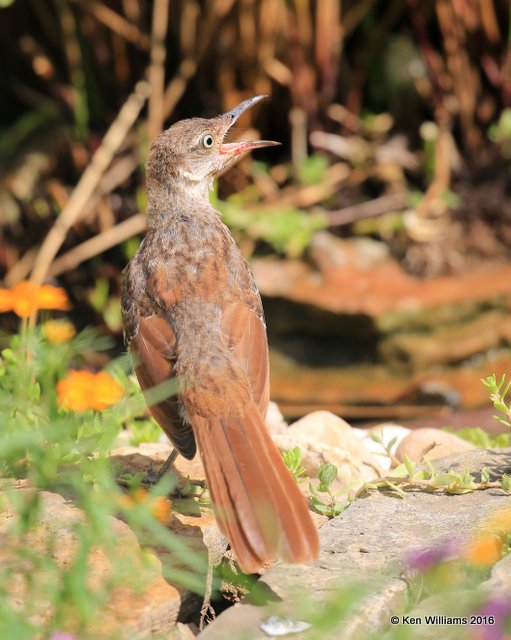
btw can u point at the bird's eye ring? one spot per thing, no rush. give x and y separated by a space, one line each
207 141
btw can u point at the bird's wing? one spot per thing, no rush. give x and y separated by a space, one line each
245 333
153 347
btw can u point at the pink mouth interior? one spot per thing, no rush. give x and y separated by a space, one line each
234 148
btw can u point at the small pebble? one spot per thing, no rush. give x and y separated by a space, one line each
277 626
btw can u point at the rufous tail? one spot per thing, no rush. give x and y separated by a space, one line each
258 504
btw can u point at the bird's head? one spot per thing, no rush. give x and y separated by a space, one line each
191 153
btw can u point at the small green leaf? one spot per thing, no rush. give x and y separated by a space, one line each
500 406
326 473
410 466
391 443
338 508
319 506
395 488
444 479
400 472
466 479
431 469
501 382
292 459
486 382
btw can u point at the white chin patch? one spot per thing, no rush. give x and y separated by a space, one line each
192 177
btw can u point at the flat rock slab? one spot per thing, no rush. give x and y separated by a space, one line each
374 391
197 526
496 588
150 610
131 612
360 278
367 543
353 333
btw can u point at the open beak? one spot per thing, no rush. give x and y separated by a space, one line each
235 148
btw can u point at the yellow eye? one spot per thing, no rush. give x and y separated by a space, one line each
208 141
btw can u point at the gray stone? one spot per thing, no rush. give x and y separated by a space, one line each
130 613
499 582
460 603
367 544
431 444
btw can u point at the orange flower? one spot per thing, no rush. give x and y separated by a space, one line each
83 390
484 551
137 497
27 297
140 495
106 391
161 507
58 331
74 392
486 547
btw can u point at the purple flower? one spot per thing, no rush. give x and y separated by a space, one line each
425 558
499 609
60 635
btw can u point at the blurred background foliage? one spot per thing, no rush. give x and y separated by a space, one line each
394 117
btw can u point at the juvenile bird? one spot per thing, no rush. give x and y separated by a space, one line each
192 313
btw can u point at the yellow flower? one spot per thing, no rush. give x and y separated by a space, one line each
27 297
82 390
58 331
498 522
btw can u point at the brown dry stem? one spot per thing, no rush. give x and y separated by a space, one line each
89 181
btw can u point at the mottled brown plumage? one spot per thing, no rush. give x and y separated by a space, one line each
193 318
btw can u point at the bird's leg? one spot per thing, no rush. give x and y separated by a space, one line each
153 478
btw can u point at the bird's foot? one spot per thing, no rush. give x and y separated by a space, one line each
153 477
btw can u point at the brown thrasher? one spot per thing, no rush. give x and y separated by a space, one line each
192 311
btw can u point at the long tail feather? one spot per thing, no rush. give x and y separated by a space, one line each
259 506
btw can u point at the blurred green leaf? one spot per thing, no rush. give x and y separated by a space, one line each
326 474
130 247
313 169
483 439
98 296
288 231
144 430
500 131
